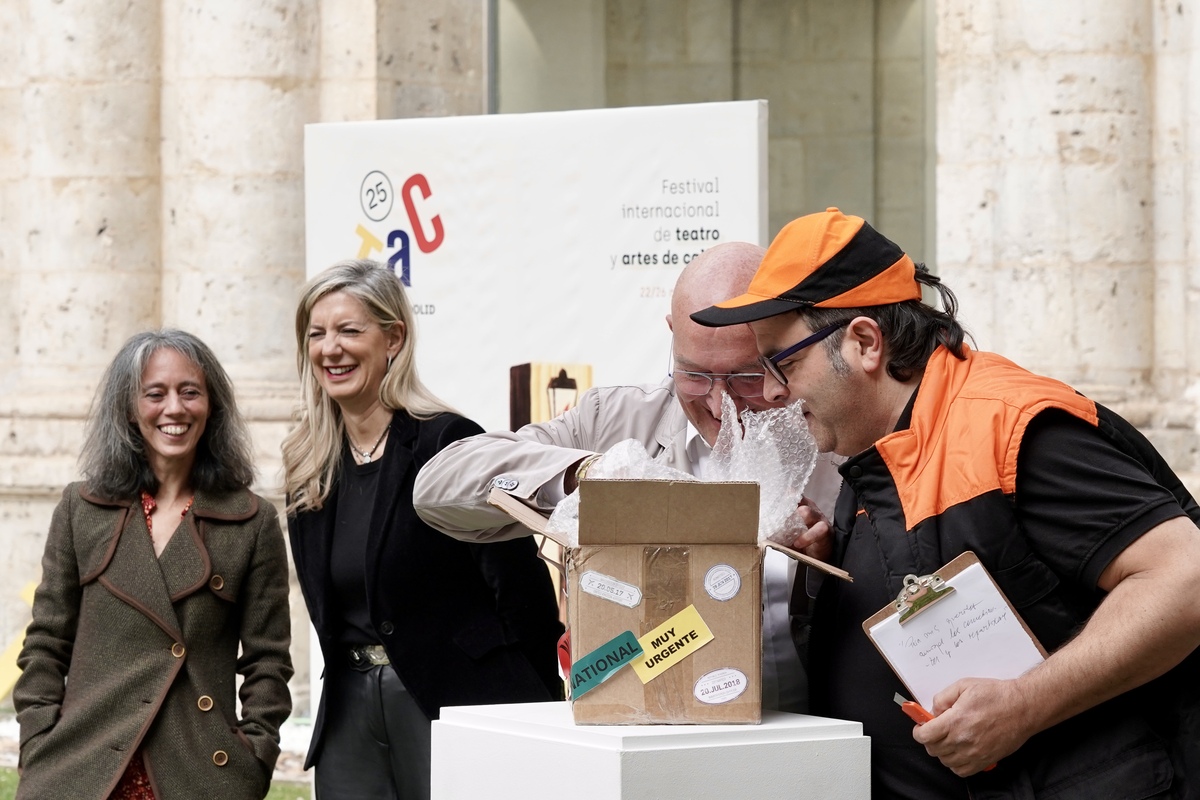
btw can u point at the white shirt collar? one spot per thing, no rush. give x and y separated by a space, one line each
699 452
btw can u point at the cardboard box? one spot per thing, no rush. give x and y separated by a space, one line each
668 563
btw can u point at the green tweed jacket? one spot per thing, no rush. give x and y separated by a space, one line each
129 651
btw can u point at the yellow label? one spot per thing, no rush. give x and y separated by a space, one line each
670 643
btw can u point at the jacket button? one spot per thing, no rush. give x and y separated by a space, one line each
387 629
854 472
178 650
205 703
220 758
216 583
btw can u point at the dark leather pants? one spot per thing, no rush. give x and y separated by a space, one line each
376 740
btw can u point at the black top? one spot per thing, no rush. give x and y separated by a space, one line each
348 558
463 623
1080 501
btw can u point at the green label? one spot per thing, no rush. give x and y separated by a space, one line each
602 663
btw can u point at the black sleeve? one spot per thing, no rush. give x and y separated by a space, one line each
520 582
1081 499
438 433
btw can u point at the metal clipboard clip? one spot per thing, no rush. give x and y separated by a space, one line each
919 593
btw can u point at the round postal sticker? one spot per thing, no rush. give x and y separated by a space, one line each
720 685
722 582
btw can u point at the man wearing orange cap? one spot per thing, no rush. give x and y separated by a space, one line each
1079 520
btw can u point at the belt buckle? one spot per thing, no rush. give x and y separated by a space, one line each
376 655
369 655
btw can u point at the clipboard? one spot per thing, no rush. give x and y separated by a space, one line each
955 623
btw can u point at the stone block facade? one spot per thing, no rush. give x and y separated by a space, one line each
1037 154
151 174
1064 178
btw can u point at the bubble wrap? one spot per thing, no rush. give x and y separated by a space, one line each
773 448
624 460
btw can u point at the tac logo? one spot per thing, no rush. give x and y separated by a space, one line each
423 229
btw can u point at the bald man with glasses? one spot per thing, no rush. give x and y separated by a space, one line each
677 421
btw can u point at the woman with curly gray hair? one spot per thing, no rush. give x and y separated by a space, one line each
159 567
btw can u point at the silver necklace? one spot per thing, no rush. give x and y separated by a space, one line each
366 454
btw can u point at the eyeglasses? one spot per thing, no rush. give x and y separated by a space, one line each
739 384
771 363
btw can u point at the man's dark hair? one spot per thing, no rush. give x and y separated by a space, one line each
911 330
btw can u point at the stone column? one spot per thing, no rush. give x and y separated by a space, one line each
432 58
1176 210
14 171
1044 183
1176 420
79 245
240 80
81 185
239 83
348 87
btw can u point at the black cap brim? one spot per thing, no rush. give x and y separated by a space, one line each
717 317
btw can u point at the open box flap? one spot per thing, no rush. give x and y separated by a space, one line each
649 516
526 515
828 569
667 512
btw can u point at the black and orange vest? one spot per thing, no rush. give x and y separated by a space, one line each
946 484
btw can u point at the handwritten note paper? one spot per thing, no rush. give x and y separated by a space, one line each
970 633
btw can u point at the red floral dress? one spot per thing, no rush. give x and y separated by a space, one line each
135 783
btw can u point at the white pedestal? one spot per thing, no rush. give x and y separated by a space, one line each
535 750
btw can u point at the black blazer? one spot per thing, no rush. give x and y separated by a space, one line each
463 624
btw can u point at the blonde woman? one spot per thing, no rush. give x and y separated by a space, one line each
409 620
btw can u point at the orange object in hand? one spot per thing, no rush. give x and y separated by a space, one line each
914 710
917 713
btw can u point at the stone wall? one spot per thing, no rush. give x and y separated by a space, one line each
1065 179
151 173
550 55
846 85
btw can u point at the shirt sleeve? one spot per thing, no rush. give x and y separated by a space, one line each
452 487
1081 499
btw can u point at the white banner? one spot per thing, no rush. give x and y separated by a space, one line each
552 237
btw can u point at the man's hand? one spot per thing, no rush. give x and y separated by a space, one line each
976 723
570 482
576 471
810 532
1148 624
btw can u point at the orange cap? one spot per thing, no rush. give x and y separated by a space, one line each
827 260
